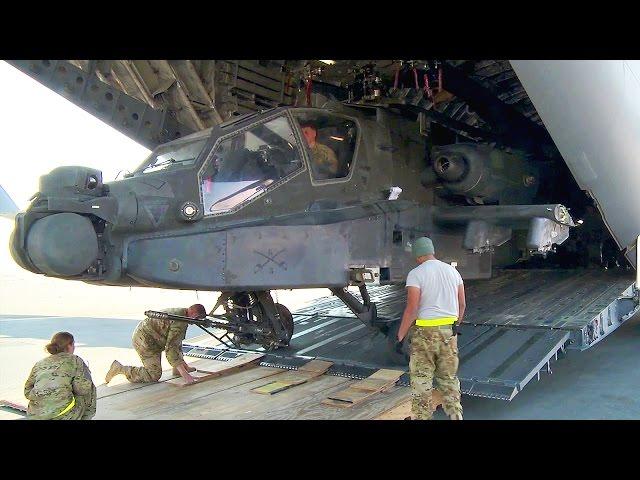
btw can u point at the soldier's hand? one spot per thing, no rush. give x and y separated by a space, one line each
189 379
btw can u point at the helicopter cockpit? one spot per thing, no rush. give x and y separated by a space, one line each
249 161
178 153
327 137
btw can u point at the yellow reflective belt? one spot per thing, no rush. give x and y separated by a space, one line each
436 322
69 407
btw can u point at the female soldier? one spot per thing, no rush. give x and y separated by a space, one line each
60 386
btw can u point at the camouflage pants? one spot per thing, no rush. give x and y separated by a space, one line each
434 354
151 371
88 404
84 409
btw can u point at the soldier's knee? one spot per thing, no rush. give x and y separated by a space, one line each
155 375
447 380
422 384
423 391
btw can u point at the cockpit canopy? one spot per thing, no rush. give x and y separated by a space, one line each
247 163
258 157
179 153
330 140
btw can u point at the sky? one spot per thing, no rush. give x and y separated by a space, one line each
40 130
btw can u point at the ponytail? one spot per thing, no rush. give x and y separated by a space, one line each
59 342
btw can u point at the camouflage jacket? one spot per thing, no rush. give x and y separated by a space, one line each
152 336
325 161
53 384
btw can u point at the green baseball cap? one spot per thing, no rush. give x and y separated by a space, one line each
422 246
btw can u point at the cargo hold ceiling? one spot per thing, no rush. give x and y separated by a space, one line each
154 101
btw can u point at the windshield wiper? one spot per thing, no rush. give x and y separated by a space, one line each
167 162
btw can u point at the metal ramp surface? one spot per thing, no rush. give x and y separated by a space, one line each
515 325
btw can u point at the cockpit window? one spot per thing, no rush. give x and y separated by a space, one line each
178 153
330 141
245 165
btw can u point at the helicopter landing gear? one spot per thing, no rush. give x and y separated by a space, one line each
254 318
367 313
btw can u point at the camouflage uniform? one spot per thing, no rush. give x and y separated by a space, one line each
324 160
434 353
53 385
150 338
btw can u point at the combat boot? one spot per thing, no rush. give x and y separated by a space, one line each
455 416
115 369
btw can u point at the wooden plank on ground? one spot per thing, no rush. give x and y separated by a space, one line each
286 380
403 409
363 389
163 400
209 369
304 402
227 398
238 404
121 385
15 408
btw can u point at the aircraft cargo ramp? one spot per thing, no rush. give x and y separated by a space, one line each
516 325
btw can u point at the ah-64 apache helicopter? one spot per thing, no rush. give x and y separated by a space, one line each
296 197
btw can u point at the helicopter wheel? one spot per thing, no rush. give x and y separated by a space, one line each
287 321
257 314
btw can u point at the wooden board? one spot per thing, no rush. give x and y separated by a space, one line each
14 408
402 410
228 398
237 403
160 399
285 380
209 369
121 385
363 389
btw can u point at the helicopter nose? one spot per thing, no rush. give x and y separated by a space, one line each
63 244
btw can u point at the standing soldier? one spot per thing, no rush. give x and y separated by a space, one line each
150 338
60 386
435 305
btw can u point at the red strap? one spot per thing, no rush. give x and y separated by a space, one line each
309 86
427 88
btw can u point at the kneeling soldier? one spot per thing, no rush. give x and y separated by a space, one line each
153 336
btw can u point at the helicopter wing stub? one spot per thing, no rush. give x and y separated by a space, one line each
592 111
489 226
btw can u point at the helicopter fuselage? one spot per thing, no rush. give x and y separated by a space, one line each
245 206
